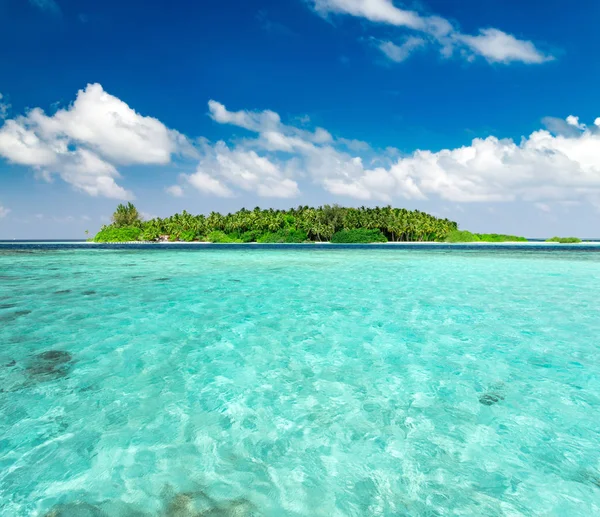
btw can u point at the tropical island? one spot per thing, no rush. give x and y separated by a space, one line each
328 223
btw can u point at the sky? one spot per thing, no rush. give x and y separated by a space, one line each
486 112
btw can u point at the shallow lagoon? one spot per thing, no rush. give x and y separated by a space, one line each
299 382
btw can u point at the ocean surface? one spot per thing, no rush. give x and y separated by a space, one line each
301 382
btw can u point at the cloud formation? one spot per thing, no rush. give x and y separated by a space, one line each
46 5
400 53
85 142
3 211
545 166
174 190
498 47
492 44
221 170
4 107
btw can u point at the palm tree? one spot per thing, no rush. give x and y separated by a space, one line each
321 223
126 215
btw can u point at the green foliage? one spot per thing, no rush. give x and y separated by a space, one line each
294 225
124 234
497 237
358 236
289 236
565 240
126 215
249 236
187 236
150 233
220 237
464 236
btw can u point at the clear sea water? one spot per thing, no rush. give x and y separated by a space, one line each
293 382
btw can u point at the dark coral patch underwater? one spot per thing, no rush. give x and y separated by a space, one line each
50 365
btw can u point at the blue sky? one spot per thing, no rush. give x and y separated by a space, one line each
486 112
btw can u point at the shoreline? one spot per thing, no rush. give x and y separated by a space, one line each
532 244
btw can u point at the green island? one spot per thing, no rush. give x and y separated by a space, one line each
565 240
328 223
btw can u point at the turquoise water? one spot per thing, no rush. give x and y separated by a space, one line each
299 383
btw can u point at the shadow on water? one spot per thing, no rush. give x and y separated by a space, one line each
49 366
52 365
11 316
493 395
184 504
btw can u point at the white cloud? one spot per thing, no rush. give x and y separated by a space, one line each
253 121
3 211
174 190
498 47
86 141
574 121
110 127
206 184
373 10
4 108
546 166
541 167
399 53
494 45
222 169
263 122
559 165
23 146
89 173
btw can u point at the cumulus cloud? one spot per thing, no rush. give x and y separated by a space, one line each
222 169
546 166
206 184
3 211
174 190
84 142
541 167
494 45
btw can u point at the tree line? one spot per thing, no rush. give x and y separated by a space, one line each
325 223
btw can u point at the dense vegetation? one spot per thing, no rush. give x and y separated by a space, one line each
565 240
464 236
302 224
126 215
112 234
358 235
